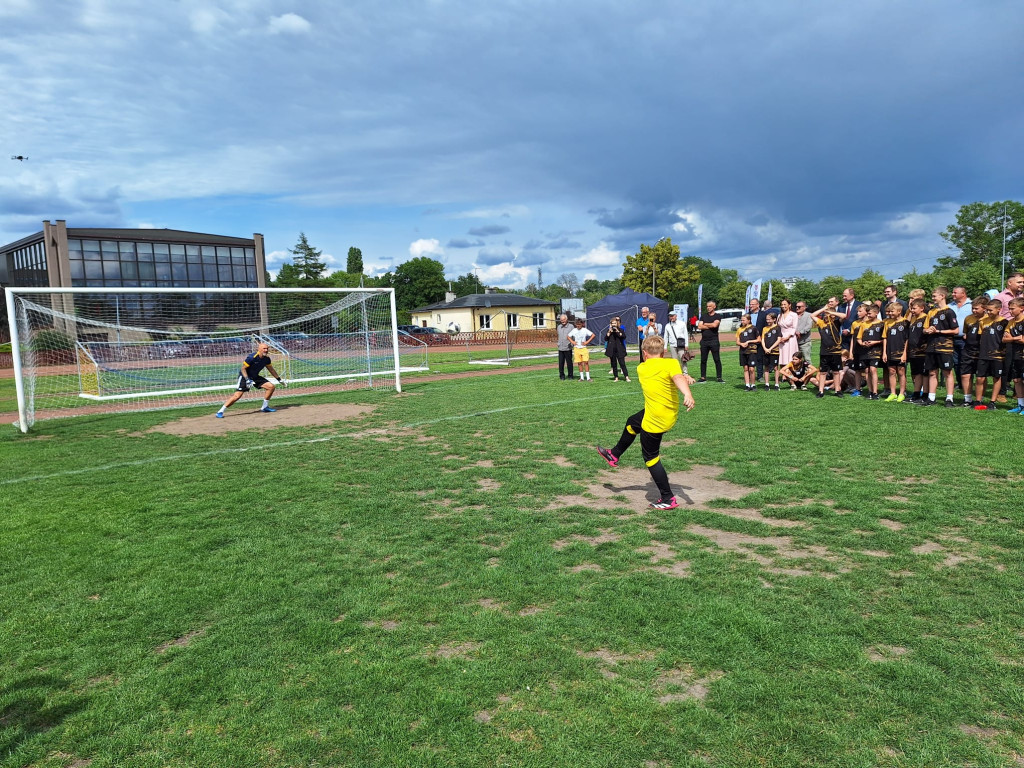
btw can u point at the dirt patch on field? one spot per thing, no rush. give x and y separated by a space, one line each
243 418
388 626
608 659
605 537
664 560
684 684
879 653
180 642
585 567
785 548
457 651
892 525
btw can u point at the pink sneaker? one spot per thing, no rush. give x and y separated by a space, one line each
665 504
611 458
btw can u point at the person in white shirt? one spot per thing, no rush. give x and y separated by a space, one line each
677 338
580 338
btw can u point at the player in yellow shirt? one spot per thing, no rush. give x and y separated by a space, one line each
662 380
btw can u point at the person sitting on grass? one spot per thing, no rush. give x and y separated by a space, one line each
771 338
580 337
748 341
249 377
662 381
798 372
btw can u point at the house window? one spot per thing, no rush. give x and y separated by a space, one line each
538 319
485 322
513 320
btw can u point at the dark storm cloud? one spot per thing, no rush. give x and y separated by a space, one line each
562 243
532 258
637 217
461 242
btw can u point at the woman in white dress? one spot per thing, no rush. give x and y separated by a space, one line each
789 345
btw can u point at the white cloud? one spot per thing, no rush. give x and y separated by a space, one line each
206 21
423 247
601 256
289 24
505 275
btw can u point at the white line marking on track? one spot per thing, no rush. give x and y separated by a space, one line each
290 443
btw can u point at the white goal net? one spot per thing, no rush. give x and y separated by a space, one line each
89 350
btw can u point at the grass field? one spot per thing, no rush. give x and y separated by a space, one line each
455 578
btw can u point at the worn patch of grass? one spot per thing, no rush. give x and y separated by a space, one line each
398 598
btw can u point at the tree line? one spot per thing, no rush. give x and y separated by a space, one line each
976 242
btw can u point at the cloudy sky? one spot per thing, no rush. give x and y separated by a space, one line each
777 138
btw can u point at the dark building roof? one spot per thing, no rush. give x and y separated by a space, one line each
155 235
483 300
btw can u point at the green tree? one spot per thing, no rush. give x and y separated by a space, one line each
977 236
339 279
354 265
570 282
870 286
779 291
307 260
709 276
913 279
732 294
808 292
660 265
418 282
975 278
830 286
467 284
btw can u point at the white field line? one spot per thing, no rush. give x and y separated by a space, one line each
290 443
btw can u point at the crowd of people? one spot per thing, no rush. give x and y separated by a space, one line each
891 349
888 349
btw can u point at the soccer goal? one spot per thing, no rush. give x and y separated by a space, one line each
513 337
89 350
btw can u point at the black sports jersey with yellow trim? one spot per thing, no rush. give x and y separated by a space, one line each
792 367
896 332
253 364
942 320
747 334
769 336
829 329
872 330
916 342
972 337
1014 349
991 346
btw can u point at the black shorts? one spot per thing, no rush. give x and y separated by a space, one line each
968 365
1017 368
872 362
917 367
830 363
257 383
895 364
938 361
989 368
748 359
858 364
770 361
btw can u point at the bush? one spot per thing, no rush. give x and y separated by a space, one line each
51 339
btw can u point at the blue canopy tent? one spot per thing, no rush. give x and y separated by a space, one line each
625 305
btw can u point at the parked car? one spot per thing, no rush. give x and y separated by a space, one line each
730 320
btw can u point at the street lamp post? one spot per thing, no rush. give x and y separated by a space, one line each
1002 278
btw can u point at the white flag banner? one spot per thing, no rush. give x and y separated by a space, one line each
700 296
769 291
755 290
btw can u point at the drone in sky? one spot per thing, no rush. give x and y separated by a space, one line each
18 157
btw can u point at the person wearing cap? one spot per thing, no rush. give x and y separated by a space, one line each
677 338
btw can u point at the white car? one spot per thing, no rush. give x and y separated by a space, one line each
730 320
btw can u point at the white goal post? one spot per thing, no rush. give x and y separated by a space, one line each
99 349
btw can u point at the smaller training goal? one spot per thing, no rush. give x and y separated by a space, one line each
88 350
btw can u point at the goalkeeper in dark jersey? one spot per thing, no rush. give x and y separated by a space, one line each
249 378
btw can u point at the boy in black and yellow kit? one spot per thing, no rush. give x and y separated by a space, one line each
940 329
830 351
872 334
917 345
894 353
662 380
991 353
972 343
1014 339
748 342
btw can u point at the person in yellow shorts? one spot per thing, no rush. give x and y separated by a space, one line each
662 380
580 336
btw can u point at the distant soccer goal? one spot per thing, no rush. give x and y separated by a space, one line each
513 337
83 350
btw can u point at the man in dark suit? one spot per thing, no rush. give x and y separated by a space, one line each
758 318
849 311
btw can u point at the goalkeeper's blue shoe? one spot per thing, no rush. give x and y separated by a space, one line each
220 415
268 410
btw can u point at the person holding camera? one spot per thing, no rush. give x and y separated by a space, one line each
615 348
